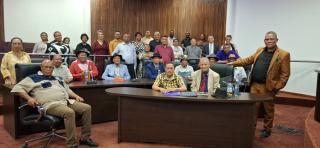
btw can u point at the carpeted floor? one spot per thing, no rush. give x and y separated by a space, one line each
106 133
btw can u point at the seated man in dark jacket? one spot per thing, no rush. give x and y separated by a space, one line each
154 68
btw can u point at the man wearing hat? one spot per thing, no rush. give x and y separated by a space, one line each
184 70
213 59
116 70
83 65
238 72
154 68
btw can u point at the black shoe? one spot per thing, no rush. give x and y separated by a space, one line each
74 146
265 134
88 142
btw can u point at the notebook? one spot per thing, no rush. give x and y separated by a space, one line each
185 94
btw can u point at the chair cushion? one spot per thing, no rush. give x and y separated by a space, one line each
46 120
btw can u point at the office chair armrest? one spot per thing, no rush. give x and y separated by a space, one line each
39 108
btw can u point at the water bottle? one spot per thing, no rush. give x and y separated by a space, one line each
86 75
159 72
229 90
236 88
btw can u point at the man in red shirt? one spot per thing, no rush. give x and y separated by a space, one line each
165 51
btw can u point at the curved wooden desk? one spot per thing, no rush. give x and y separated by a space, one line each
204 121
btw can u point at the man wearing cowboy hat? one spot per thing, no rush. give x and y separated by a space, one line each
213 59
154 68
116 70
79 67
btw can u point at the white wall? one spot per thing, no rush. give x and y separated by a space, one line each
28 18
297 24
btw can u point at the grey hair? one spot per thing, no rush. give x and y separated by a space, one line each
272 32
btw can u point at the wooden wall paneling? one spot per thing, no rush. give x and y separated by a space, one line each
194 16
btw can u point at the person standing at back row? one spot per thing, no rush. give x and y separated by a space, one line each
114 43
156 41
41 46
84 43
165 50
270 73
147 37
193 53
128 53
99 48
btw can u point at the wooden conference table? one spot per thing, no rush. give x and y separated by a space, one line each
203 121
104 107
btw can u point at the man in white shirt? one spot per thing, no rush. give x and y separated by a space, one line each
128 52
184 70
59 69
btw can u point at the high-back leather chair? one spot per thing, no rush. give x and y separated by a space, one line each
33 118
225 71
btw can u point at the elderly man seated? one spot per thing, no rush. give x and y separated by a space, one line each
59 69
54 96
169 81
154 68
116 70
205 80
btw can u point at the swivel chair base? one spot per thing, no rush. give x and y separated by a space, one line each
50 135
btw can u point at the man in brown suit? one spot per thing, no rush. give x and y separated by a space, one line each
270 73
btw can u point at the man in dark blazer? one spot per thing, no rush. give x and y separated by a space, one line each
211 47
155 68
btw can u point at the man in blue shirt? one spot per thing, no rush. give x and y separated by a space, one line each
224 54
128 52
154 68
116 70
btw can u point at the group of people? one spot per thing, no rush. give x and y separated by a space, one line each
138 52
270 72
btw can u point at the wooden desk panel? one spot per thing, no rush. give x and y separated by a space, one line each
201 121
